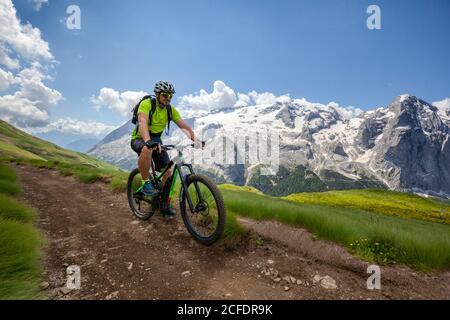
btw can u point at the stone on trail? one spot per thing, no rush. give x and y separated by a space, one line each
112 296
326 282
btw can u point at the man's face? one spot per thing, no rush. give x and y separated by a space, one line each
164 98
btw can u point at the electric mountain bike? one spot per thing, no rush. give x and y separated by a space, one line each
201 203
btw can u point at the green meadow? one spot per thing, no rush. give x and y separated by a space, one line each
20 243
370 234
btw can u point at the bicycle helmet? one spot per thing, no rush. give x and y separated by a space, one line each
164 86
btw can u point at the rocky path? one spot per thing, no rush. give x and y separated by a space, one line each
121 257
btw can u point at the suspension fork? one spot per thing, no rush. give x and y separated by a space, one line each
183 179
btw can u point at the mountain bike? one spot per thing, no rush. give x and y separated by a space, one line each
201 203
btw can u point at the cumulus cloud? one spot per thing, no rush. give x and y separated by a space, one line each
262 98
6 60
25 58
122 103
6 79
30 104
22 38
347 112
21 111
37 4
243 100
443 104
221 97
72 126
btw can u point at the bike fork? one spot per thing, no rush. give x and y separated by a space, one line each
184 186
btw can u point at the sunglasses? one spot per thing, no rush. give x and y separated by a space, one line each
167 95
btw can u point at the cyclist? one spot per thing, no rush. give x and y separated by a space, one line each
146 141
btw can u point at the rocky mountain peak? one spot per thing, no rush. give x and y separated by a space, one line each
416 114
404 145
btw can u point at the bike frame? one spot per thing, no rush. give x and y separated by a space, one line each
178 163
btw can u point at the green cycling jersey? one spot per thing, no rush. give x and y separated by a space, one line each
159 118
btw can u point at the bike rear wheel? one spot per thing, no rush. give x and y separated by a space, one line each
206 225
142 208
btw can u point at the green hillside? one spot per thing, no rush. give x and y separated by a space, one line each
370 232
380 201
20 243
21 147
301 179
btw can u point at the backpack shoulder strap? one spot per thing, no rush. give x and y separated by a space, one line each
169 112
169 118
135 112
152 110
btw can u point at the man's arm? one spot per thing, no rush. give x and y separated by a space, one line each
186 129
143 127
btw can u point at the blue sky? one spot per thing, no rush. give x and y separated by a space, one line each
319 50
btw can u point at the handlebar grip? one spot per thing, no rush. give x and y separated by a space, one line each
193 144
152 145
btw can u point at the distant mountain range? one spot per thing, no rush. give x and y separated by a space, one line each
404 146
75 142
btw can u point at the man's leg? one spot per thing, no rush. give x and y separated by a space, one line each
144 162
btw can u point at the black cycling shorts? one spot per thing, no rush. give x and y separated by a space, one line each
161 160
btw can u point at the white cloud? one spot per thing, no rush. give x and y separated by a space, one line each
122 103
23 49
348 112
6 79
21 111
22 38
33 89
72 126
222 96
443 108
38 4
443 104
6 60
262 98
30 105
243 100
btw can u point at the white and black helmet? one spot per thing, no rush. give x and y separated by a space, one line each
164 86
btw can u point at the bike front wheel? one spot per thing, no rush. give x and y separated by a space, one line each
207 221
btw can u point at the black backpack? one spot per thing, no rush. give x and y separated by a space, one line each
134 119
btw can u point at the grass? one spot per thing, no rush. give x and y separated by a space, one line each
7 174
119 182
380 201
8 180
19 244
84 172
420 244
232 228
227 186
9 187
11 209
19 260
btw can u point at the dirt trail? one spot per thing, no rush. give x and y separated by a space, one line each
90 226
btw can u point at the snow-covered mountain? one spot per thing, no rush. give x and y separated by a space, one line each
403 146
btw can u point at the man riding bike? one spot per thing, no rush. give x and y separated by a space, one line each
146 141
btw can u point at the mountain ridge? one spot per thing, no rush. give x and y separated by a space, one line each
403 146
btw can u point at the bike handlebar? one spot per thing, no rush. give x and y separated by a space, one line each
168 147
